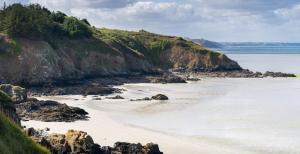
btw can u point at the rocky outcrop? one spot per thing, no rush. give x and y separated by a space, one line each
166 78
160 97
78 142
156 97
236 74
132 148
278 74
17 94
49 111
115 97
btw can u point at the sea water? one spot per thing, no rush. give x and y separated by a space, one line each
254 115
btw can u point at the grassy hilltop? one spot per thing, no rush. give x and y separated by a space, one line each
38 46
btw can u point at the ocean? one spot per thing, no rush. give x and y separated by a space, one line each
259 48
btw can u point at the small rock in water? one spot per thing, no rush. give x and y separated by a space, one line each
97 99
160 97
115 97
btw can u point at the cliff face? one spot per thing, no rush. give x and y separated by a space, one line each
108 52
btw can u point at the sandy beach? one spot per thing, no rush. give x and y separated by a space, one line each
211 116
106 131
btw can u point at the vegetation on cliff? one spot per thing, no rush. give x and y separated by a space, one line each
12 139
35 21
44 46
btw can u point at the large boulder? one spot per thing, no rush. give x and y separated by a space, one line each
160 97
80 142
17 94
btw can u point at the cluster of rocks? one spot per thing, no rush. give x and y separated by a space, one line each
34 109
49 111
79 142
278 74
73 90
245 73
116 97
156 97
166 78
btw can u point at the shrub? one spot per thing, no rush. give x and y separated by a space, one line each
76 28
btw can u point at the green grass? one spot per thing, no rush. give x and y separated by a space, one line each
14 141
5 101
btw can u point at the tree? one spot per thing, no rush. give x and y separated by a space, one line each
58 17
76 28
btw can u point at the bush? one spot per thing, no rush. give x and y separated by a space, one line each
58 17
76 28
34 21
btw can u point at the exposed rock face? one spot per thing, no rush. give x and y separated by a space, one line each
49 111
78 142
160 97
39 63
17 94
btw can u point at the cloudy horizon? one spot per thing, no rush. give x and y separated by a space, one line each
217 20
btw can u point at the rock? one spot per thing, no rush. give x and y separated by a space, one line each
167 78
49 111
115 97
132 148
79 142
160 97
189 78
151 148
143 99
17 94
97 99
278 74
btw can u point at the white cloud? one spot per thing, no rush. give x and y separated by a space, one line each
221 20
292 13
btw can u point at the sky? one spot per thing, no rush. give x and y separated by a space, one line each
217 20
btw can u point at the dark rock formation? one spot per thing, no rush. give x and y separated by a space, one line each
78 142
238 74
79 89
278 74
166 78
49 111
143 99
115 97
160 97
131 148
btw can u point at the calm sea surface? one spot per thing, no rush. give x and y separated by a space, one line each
253 115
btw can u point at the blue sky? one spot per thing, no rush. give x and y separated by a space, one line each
218 20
